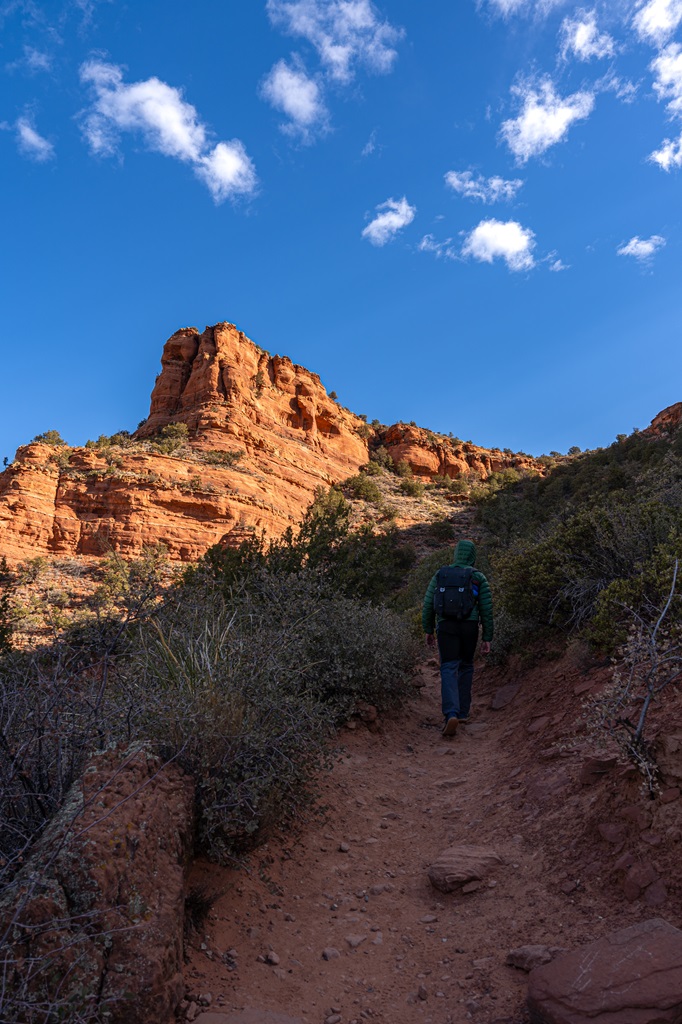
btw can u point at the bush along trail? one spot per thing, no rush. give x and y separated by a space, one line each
440 871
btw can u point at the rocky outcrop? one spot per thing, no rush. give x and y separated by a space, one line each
291 438
632 976
95 918
429 454
667 420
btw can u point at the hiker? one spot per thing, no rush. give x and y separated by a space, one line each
457 598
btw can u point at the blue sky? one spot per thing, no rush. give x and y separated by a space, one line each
464 214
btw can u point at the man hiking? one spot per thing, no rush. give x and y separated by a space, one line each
457 598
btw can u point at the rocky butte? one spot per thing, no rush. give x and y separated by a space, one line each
263 434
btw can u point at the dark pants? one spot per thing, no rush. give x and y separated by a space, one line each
457 646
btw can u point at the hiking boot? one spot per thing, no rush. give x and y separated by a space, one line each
450 727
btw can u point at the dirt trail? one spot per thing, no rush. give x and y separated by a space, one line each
395 800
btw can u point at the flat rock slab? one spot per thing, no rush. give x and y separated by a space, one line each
246 1017
461 864
632 976
504 696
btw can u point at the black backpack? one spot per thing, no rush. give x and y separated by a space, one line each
456 592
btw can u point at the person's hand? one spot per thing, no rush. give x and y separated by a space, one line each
485 647
431 640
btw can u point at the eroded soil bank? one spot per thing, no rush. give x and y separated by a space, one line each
340 920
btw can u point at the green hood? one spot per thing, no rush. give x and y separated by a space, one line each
465 553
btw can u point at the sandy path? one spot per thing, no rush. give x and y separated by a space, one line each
394 801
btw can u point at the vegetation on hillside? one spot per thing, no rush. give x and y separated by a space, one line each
591 545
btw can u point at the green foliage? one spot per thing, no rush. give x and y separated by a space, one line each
361 486
223 458
382 457
259 383
364 564
413 488
402 468
333 395
364 431
170 438
52 437
371 469
7 589
574 450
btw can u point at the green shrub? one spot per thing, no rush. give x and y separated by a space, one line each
170 438
221 458
410 486
382 457
52 437
371 469
7 589
402 468
361 486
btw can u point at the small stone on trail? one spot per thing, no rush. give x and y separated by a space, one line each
668 795
527 958
344 847
428 919
272 959
355 940
330 953
422 992
280 973
460 865
333 1018
206 999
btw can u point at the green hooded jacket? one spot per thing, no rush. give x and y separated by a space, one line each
465 554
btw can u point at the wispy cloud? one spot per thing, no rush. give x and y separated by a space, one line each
487 190
656 20
439 249
371 145
581 38
391 217
33 61
526 8
289 89
168 125
642 249
545 118
345 33
669 155
31 143
667 70
506 240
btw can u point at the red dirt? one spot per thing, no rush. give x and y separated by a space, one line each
394 801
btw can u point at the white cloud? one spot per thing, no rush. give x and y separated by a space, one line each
656 20
33 61
488 190
371 144
227 171
392 216
642 249
667 68
507 240
289 89
556 266
669 155
439 249
168 125
581 37
506 8
344 33
544 119
624 89
31 143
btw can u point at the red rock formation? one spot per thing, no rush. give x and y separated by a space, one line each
233 397
667 420
429 454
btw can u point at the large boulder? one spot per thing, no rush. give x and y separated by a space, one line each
94 920
631 976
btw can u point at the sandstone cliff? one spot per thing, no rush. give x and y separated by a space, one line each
262 435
